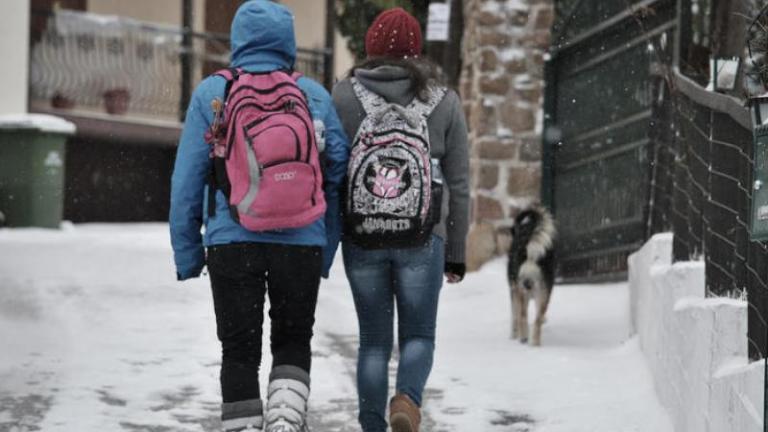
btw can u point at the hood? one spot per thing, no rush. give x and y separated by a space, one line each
262 37
393 83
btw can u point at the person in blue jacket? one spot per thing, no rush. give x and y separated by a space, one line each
245 265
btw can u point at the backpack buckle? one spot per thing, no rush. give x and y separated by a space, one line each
290 106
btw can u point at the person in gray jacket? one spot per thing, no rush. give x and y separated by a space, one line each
393 261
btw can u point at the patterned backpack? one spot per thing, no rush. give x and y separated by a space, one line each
394 189
265 156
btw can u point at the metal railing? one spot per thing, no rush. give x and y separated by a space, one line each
701 171
118 66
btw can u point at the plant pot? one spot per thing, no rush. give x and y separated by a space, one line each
59 101
116 101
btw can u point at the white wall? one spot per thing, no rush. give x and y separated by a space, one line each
310 32
696 347
310 22
14 51
166 12
344 60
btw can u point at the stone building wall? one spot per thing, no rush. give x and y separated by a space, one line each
502 86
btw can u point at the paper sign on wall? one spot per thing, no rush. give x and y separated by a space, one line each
438 24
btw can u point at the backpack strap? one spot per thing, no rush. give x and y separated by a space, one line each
372 102
295 75
212 187
436 94
231 75
228 73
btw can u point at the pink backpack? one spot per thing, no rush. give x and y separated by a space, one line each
265 156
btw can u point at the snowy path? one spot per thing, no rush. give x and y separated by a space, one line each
95 335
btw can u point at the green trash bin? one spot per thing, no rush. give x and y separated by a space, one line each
32 155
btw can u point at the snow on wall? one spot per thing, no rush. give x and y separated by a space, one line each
41 122
696 347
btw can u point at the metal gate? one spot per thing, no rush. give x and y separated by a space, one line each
597 122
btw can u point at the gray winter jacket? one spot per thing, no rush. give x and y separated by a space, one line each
448 141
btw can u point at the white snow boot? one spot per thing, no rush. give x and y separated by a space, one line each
288 393
243 416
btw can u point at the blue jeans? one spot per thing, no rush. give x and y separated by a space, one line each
381 279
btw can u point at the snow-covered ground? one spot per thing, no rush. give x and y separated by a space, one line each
96 335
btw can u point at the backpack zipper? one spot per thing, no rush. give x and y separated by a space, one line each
295 136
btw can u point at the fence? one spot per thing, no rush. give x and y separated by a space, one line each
701 176
120 66
596 162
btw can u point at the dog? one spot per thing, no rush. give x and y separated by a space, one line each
531 270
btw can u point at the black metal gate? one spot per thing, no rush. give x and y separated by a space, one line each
597 121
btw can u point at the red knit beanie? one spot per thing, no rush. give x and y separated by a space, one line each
394 33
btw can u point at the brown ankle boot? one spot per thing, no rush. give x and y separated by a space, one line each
404 414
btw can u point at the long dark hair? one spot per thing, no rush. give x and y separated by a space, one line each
424 73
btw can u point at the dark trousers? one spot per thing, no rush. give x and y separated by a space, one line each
241 274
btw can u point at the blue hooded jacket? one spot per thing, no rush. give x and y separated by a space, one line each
262 41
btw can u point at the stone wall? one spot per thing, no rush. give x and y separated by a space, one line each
502 87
